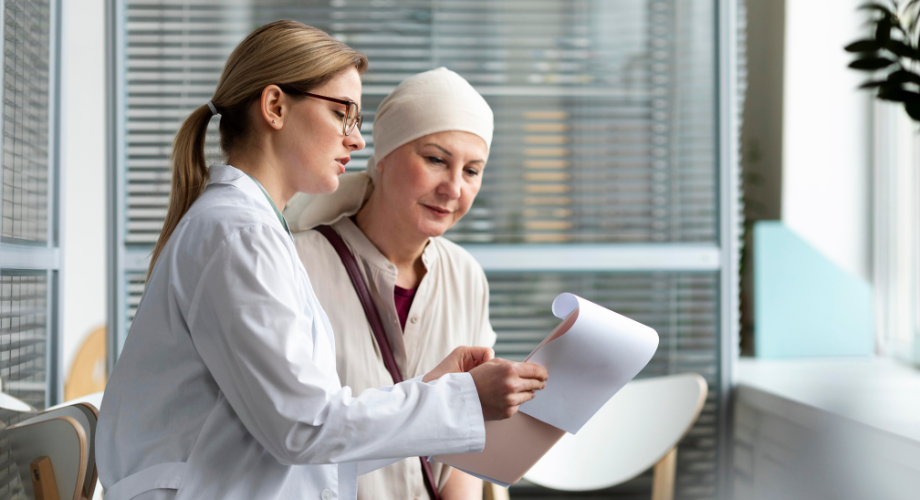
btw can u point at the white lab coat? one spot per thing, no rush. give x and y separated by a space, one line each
226 386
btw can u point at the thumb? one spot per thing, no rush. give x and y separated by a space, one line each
481 354
475 356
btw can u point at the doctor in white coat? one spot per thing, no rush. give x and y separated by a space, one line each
226 387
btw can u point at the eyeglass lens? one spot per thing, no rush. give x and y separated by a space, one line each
351 118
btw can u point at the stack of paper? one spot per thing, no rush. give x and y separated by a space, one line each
590 356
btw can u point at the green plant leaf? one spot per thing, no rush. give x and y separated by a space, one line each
913 110
883 30
903 76
911 12
863 46
871 84
871 63
901 49
898 95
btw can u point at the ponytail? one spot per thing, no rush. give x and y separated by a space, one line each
189 174
279 53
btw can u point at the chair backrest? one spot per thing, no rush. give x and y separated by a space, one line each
65 434
631 433
88 405
63 441
87 372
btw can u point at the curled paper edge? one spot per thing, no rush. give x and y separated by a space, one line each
565 303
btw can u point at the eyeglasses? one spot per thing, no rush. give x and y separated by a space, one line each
350 119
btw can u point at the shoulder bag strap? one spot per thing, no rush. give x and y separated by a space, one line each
373 317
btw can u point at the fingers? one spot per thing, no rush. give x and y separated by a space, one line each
523 397
530 385
518 398
532 371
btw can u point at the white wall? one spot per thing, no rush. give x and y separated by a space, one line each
826 133
83 171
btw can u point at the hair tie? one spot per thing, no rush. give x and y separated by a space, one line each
213 109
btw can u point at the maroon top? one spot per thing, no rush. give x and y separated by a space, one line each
403 298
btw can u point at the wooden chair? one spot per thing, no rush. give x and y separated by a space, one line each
494 492
639 428
87 373
55 453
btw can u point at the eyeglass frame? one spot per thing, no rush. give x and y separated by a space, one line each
359 118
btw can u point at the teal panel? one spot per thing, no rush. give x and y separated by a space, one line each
805 305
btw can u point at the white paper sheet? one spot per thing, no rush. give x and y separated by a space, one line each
590 356
587 364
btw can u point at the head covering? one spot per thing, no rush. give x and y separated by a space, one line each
434 101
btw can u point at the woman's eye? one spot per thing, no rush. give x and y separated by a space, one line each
340 114
435 160
472 172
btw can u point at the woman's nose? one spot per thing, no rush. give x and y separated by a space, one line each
355 141
450 187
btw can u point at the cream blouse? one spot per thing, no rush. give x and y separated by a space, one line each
450 309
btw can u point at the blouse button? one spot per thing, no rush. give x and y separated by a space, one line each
414 319
326 495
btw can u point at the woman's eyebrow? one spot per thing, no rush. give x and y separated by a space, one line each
448 153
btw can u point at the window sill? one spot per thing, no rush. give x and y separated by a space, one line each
847 429
878 392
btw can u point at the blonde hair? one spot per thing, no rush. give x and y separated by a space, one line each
280 53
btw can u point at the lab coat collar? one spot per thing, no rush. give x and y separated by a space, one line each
228 174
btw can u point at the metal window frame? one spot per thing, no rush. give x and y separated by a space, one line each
889 275
16 256
115 175
730 225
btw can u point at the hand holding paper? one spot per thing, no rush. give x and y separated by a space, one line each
590 356
461 359
504 385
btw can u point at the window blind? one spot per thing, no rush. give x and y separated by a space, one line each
29 262
25 121
595 141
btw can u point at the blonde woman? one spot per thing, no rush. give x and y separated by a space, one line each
227 386
431 144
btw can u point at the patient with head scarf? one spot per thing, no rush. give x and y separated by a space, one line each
432 136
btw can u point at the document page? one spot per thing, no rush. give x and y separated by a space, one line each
590 356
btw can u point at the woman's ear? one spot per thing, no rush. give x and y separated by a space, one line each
273 106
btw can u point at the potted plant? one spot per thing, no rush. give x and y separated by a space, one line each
892 55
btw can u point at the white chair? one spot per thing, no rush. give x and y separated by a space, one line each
639 428
65 436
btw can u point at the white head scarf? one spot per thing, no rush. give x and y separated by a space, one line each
434 101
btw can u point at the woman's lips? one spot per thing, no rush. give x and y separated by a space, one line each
437 211
342 162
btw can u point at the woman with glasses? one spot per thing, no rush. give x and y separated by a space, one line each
226 386
431 143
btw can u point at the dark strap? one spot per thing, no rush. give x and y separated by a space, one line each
373 317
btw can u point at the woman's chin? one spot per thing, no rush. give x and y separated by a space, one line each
432 229
322 186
